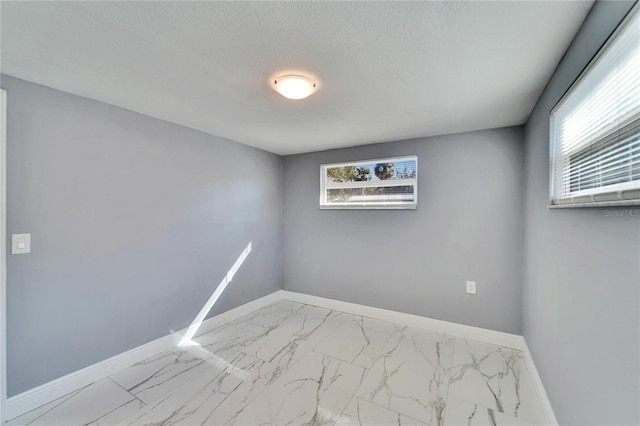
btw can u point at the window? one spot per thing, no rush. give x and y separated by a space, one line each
595 128
388 183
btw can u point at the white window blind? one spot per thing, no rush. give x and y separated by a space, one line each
388 183
595 128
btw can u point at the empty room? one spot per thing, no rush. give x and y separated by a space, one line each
320 213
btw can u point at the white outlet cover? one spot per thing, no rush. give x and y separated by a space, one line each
20 243
471 287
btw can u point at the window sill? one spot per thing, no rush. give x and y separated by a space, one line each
406 207
618 203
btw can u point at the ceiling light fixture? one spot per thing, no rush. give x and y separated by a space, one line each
294 86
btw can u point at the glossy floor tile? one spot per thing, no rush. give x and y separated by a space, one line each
99 403
358 340
150 379
286 340
411 377
314 391
291 364
459 412
362 412
494 377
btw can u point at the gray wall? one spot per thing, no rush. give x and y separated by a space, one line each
134 221
581 272
468 226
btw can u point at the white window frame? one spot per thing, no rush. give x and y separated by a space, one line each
3 256
617 194
404 205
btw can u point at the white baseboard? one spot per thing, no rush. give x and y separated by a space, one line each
537 382
235 313
36 397
33 398
466 331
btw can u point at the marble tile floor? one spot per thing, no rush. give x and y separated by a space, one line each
294 364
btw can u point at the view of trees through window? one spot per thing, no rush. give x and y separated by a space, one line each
405 169
355 183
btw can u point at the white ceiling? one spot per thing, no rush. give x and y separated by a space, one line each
387 70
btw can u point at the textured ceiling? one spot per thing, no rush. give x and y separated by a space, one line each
387 70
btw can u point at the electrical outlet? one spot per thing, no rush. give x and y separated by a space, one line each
471 287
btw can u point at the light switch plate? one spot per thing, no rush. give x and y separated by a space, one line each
20 243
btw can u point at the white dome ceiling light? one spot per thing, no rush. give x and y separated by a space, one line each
294 86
